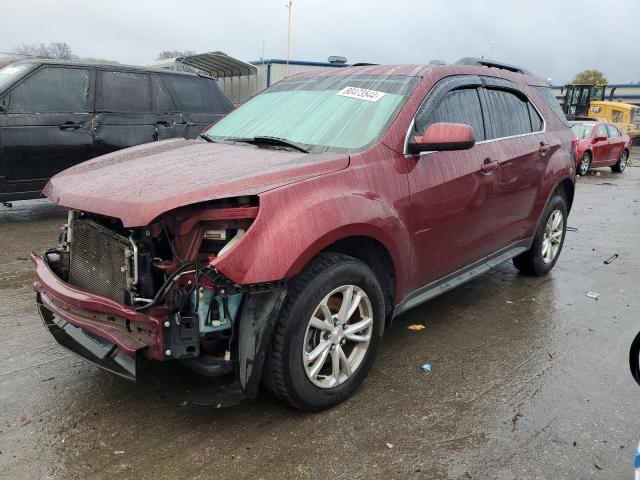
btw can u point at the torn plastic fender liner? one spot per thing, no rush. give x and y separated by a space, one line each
255 333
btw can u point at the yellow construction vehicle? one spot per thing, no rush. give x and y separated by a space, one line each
587 102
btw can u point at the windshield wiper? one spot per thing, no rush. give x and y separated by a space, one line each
271 141
207 138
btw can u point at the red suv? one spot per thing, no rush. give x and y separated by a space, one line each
274 249
600 144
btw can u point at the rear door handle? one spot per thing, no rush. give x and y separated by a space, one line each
488 166
544 148
70 126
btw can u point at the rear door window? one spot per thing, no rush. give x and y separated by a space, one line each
602 131
457 106
536 119
53 89
125 92
613 131
548 97
507 113
197 94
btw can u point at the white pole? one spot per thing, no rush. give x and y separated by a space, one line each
288 39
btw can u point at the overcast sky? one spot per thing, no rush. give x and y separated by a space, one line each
553 38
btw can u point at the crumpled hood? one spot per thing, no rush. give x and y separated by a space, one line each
138 184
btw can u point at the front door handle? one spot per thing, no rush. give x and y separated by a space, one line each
488 166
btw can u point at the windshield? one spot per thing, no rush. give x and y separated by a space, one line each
339 114
10 74
582 130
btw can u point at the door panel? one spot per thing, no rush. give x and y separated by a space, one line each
522 155
39 146
452 220
601 149
451 215
200 101
522 167
616 143
195 123
124 115
47 127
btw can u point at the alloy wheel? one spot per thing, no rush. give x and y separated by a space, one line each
552 236
338 336
623 160
584 165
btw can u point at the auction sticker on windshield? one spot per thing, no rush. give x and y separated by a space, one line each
361 93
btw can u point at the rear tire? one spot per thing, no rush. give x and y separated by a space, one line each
312 319
622 162
548 242
584 165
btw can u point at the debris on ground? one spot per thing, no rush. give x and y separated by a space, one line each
509 302
389 445
593 295
118 452
611 259
416 327
514 421
426 368
572 229
24 421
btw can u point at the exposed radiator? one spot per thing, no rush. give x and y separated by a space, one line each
101 261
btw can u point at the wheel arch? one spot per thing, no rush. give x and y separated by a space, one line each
368 245
376 256
566 188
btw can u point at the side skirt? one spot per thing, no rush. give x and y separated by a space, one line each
457 278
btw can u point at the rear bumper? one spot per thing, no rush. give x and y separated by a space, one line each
97 328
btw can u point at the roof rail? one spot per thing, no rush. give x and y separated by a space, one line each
482 62
437 62
362 64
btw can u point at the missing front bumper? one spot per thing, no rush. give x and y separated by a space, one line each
95 350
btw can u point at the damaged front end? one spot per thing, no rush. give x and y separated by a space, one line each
120 297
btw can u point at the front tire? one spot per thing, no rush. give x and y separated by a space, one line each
327 333
584 165
548 242
622 162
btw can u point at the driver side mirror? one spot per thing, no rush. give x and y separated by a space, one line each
440 137
4 104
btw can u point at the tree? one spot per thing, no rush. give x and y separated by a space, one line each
591 76
167 54
57 50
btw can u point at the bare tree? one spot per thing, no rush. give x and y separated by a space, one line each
166 54
56 50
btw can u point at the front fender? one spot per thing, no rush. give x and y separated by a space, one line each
297 222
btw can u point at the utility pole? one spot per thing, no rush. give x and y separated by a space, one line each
288 5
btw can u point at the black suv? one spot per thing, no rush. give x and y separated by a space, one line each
55 114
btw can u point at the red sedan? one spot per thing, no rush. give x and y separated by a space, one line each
600 145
